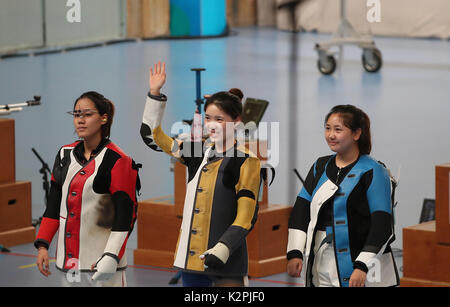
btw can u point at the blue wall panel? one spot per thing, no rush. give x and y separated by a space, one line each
213 17
197 17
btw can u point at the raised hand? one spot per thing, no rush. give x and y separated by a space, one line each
157 78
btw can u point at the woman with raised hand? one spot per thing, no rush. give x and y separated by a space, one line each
220 207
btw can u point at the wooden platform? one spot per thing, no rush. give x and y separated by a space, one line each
426 247
7 151
158 228
15 196
443 203
268 240
425 262
18 236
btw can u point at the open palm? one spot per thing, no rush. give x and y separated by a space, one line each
157 77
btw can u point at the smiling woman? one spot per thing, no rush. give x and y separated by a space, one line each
222 113
220 207
342 220
347 132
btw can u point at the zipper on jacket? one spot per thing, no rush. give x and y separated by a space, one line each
338 173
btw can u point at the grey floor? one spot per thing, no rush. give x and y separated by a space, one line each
18 269
407 101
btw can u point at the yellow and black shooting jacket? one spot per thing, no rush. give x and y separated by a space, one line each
221 197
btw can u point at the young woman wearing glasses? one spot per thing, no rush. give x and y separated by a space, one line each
92 201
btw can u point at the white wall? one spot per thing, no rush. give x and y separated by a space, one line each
22 23
99 20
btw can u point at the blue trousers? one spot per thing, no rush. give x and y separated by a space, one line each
195 280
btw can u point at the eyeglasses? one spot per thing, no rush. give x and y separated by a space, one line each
82 113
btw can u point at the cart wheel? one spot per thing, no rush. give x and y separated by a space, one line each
371 59
326 66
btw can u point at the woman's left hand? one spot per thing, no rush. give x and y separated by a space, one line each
358 278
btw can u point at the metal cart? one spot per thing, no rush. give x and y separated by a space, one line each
347 35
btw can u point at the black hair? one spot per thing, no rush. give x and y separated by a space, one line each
229 102
354 119
103 106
